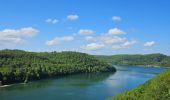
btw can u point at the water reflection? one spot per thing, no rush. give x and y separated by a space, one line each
84 80
78 80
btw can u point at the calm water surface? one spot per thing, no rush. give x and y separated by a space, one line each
81 87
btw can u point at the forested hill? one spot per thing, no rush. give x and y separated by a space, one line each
157 88
21 66
149 59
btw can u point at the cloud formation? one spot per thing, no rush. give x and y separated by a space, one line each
115 31
93 46
72 17
59 40
86 32
126 44
116 18
111 38
149 44
107 39
15 36
52 21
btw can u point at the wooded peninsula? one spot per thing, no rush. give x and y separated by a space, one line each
17 66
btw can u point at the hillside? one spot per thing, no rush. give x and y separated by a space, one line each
21 66
157 88
149 59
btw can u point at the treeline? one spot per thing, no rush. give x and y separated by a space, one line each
21 66
149 59
157 88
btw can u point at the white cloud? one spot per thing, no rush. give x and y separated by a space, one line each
126 44
14 36
86 32
72 17
111 39
149 44
115 31
93 46
116 18
58 40
52 21
106 39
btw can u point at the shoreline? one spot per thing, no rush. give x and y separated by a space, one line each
8 85
3 86
147 66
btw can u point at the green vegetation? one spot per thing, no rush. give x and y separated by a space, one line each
149 59
157 88
21 66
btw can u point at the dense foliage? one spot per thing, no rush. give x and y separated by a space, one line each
22 66
149 59
157 88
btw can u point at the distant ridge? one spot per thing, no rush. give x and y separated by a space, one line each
156 59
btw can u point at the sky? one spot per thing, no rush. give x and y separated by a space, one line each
101 27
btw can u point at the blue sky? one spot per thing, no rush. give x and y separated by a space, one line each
92 26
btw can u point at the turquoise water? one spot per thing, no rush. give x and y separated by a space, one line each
82 86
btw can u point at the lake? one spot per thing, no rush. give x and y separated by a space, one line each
81 86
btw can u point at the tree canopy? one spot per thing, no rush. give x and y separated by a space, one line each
21 66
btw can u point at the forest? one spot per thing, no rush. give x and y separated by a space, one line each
157 88
18 66
147 59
